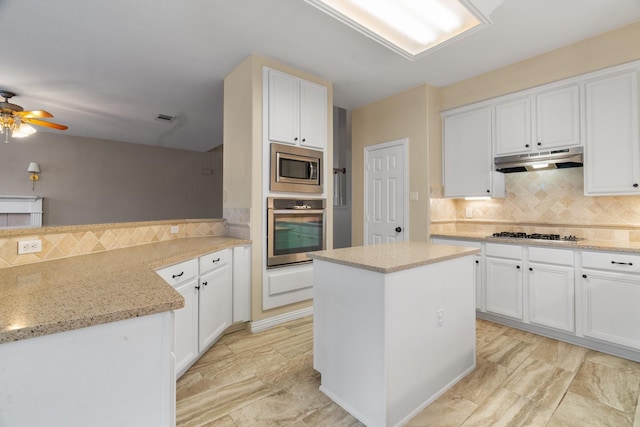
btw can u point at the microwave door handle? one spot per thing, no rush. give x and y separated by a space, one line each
312 171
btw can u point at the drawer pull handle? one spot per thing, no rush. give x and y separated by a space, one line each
177 275
216 260
621 263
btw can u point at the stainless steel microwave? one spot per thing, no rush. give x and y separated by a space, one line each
295 169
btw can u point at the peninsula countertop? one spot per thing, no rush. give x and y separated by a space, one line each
86 290
391 257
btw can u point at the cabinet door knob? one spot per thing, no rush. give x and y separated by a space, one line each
205 283
635 185
198 287
518 267
584 276
539 144
488 191
295 139
530 269
477 262
527 145
304 139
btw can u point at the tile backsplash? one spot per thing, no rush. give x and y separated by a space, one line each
544 197
62 242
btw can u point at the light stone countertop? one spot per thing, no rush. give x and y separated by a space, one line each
391 257
86 290
597 245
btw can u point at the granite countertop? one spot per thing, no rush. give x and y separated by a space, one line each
391 257
599 245
86 290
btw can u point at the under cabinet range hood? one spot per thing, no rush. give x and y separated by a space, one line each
542 160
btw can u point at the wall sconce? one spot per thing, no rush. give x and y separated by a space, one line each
34 170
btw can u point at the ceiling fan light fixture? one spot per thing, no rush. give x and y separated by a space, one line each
411 28
23 131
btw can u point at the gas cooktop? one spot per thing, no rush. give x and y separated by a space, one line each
535 236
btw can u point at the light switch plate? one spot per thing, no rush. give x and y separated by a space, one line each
413 196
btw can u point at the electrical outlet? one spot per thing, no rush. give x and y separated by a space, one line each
175 229
29 246
440 317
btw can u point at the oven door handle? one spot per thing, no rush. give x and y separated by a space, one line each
297 211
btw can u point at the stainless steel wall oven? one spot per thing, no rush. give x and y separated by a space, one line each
294 227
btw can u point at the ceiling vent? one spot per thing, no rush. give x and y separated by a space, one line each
165 118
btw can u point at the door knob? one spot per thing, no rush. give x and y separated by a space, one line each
398 229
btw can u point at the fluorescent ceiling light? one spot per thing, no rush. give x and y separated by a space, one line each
411 27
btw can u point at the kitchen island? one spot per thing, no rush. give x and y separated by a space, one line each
394 326
88 340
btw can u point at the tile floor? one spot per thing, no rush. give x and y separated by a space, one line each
521 379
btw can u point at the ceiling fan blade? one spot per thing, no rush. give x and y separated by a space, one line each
35 114
45 124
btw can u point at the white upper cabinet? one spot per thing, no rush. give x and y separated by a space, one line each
513 126
297 111
612 154
313 115
284 107
468 164
541 121
558 118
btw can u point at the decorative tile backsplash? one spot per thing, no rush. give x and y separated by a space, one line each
554 197
62 242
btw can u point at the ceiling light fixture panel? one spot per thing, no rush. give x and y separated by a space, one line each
411 28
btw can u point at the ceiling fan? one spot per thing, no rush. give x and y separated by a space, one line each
13 118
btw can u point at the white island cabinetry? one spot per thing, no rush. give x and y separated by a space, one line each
381 358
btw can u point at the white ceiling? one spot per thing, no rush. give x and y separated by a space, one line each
108 68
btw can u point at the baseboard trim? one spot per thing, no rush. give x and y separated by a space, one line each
270 322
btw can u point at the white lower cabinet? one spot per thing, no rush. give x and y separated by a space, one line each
503 292
589 298
551 288
206 285
610 286
186 329
215 299
478 281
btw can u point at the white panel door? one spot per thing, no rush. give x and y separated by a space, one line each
385 193
313 115
284 107
513 126
504 287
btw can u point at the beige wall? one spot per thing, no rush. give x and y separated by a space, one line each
400 116
93 181
243 172
605 50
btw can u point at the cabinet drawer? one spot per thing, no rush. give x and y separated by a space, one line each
215 260
504 251
611 261
178 273
551 256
